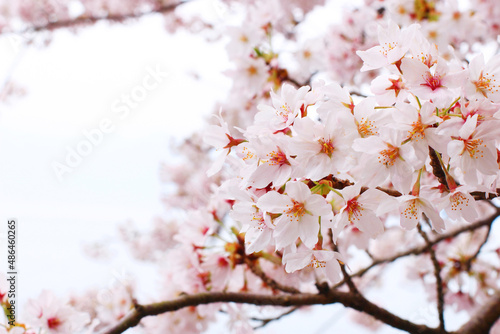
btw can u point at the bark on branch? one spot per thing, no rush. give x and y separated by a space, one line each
421 249
347 299
480 323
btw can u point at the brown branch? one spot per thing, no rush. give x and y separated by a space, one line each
347 277
483 195
341 184
268 320
421 249
484 318
468 262
347 299
87 20
357 93
437 169
437 275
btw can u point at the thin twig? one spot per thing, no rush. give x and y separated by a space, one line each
484 318
421 249
347 277
437 275
469 261
347 299
257 270
268 320
83 19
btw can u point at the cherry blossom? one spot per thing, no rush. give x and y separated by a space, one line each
285 108
460 204
332 144
384 158
275 163
220 137
324 263
54 316
362 210
300 214
411 209
473 150
320 148
394 43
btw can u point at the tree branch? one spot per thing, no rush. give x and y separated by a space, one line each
347 299
257 270
484 318
468 262
268 320
87 20
422 249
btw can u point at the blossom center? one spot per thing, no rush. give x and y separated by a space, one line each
278 158
252 70
247 154
486 84
388 156
297 210
315 263
326 146
387 47
366 128
354 210
458 200
432 81
474 147
53 322
397 85
259 220
417 130
284 111
411 211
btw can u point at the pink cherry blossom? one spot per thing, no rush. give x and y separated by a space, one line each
432 83
411 209
53 315
483 82
394 43
300 214
219 136
460 204
362 210
320 147
419 129
275 163
473 150
325 263
286 107
384 157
